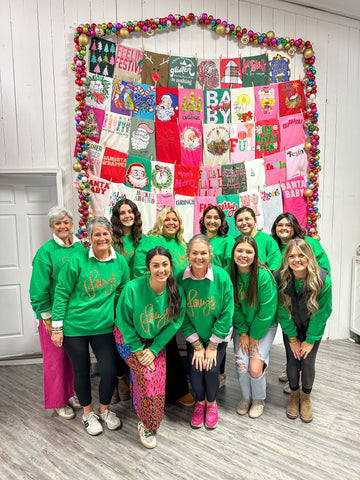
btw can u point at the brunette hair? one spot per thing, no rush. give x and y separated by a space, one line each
298 231
136 229
253 284
174 298
224 227
312 285
243 210
157 229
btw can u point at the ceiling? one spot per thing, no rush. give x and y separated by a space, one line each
346 8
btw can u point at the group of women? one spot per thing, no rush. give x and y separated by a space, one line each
130 294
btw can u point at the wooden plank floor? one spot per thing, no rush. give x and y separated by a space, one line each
36 444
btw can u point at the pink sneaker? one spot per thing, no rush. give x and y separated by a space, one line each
197 418
212 417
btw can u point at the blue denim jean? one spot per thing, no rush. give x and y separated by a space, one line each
253 388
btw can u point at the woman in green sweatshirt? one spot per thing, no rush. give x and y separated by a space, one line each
47 263
127 230
213 224
305 304
148 315
83 314
206 326
254 323
245 222
127 235
168 232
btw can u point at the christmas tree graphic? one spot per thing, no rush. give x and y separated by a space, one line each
92 127
232 74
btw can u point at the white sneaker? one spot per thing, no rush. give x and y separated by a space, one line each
65 412
92 424
74 402
147 436
256 409
111 419
243 407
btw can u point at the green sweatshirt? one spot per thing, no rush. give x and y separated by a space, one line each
209 305
178 253
256 320
222 248
86 294
47 263
129 251
268 250
319 252
141 313
317 322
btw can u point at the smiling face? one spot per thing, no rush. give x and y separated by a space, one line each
298 262
284 230
171 225
126 216
199 257
100 240
212 222
62 228
245 223
160 269
244 255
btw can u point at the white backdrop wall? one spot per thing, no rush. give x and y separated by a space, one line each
37 94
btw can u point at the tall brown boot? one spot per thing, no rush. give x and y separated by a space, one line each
292 410
123 389
306 413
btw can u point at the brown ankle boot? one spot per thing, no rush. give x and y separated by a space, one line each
123 388
306 414
292 410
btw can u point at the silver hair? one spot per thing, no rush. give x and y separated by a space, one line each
100 222
58 213
199 237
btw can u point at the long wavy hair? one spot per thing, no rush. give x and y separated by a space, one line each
312 285
298 231
157 229
224 227
174 298
118 233
253 284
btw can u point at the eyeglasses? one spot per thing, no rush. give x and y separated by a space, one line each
287 225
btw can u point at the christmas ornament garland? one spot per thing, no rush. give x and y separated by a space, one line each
85 32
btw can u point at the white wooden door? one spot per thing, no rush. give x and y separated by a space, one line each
24 202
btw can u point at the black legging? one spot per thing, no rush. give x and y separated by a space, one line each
176 383
205 384
103 346
305 366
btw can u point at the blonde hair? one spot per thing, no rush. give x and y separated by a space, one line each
312 285
157 229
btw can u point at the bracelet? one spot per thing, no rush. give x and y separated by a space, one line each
197 346
47 321
57 330
243 334
213 345
138 354
293 340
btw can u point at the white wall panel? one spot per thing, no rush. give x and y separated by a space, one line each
37 93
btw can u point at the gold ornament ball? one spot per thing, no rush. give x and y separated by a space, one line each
318 215
270 34
292 50
307 146
124 33
83 39
309 52
91 215
308 192
220 29
245 39
86 192
77 167
317 237
319 167
99 31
